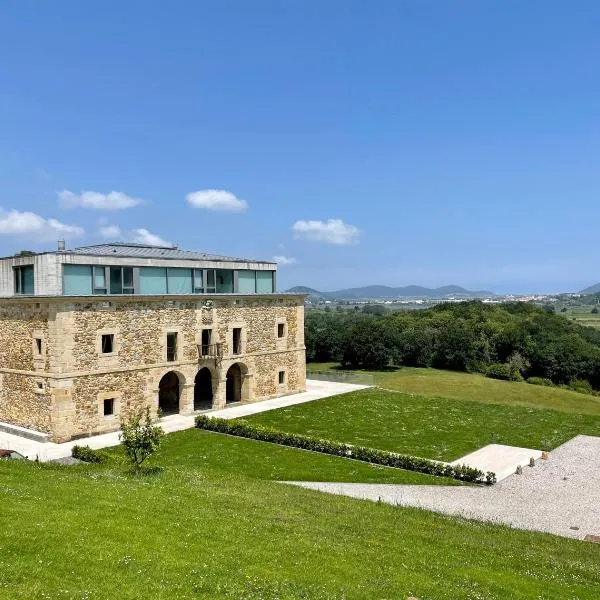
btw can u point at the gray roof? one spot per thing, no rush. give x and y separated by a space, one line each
146 251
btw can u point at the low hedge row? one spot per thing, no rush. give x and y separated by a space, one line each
244 429
87 454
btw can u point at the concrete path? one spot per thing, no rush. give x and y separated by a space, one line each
502 460
315 390
560 495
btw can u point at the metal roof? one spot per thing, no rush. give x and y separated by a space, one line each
146 251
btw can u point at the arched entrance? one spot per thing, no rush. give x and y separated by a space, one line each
203 392
233 387
168 393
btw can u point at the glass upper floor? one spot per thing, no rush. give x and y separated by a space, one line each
83 280
112 269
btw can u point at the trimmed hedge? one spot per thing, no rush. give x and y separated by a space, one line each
244 429
87 454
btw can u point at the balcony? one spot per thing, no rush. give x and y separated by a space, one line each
210 351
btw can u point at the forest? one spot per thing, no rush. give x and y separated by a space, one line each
512 341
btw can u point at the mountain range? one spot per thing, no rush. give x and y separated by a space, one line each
384 291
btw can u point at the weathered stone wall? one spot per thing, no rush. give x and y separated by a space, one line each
24 395
77 376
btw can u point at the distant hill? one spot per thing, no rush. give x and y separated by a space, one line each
384 291
593 289
302 289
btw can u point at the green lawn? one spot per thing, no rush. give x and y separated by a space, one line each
467 386
212 525
429 427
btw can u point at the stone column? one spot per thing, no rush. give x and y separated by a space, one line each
186 399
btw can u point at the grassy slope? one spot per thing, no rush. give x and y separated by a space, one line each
204 529
466 386
424 426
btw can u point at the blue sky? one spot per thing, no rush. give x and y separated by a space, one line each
390 142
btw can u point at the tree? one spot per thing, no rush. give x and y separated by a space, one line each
140 437
595 310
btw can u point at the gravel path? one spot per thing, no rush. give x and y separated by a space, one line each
560 495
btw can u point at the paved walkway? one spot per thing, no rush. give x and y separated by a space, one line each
560 495
502 460
49 451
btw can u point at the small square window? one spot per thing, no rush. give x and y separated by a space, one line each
280 330
109 407
108 343
38 345
40 385
281 377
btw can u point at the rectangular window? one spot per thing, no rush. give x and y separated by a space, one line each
24 278
99 280
264 282
153 280
171 347
179 281
77 280
224 281
108 343
109 407
40 385
281 377
237 340
198 281
280 330
246 282
38 345
121 280
210 281
206 341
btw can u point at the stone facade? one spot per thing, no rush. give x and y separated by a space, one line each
60 376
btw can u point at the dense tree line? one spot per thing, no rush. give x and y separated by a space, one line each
509 341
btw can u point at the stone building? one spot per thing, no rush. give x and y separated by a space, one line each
89 335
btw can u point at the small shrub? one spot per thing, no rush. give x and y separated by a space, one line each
140 437
87 454
244 429
594 310
503 371
583 386
540 381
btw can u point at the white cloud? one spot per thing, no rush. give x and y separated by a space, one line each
284 260
97 200
110 231
216 200
28 224
143 236
333 231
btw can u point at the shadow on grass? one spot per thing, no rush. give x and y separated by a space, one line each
145 471
389 369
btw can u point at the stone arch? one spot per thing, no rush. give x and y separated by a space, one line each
236 384
203 389
169 392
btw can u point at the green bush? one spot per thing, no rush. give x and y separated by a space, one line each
503 371
582 386
244 429
540 381
140 437
87 454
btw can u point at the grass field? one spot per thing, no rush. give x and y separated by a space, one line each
467 386
212 525
583 315
423 426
